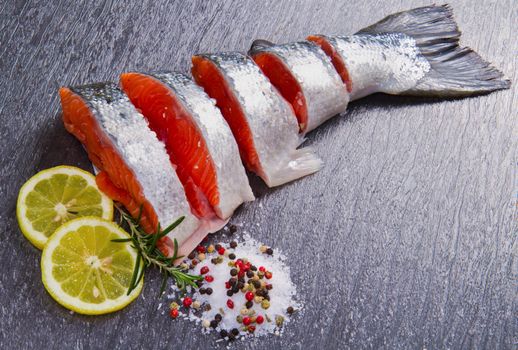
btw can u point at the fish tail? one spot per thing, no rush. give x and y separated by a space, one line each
302 162
455 71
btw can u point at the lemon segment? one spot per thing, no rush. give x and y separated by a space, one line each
55 196
83 270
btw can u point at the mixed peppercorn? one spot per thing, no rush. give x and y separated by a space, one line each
244 278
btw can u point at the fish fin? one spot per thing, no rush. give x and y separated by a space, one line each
302 162
455 71
258 45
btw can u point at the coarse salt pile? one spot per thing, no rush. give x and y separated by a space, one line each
246 290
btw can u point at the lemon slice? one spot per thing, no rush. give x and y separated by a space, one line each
55 196
83 270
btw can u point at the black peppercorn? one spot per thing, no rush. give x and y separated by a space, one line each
214 323
253 268
235 289
223 333
233 272
202 290
256 284
232 230
233 244
208 291
267 297
249 274
218 317
230 293
232 256
218 247
234 331
192 255
290 310
249 304
240 285
269 251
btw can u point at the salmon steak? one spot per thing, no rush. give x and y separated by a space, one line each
197 138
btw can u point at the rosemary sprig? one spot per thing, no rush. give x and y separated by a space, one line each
149 255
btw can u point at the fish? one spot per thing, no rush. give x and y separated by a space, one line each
134 167
415 52
185 161
262 121
197 138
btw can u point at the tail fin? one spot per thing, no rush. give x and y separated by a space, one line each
455 71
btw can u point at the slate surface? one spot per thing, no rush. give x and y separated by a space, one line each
406 239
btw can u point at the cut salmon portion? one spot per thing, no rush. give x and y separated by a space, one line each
282 78
335 57
184 142
207 75
115 178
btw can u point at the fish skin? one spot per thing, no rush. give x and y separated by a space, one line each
323 89
145 155
272 122
390 63
232 182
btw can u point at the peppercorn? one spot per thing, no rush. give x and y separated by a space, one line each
233 244
210 248
230 304
208 291
187 302
235 289
249 274
199 283
239 319
258 299
232 256
249 304
251 328
230 293
256 284
279 320
192 255
196 304
267 297
173 305
218 246
200 249
269 251
206 323
232 229
249 296
268 275
204 270
246 320
214 323
260 274
194 262
233 272
259 319
214 261
235 331
231 337
265 304
268 286
221 251
223 333
263 248
241 279
184 266
218 317
290 310
253 268
201 256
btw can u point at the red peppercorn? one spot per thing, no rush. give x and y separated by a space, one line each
230 304
209 278
259 319
204 270
262 269
173 313
251 329
200 249
194 262
246 320
187 301
268 274
249 296
241 273
246 267
227 285
221 251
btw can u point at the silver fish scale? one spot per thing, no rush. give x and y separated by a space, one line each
144 154
273 125
232 181
390 63
323 89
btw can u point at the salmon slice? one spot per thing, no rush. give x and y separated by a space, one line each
262 121
197 138
335 57
305 77
133 165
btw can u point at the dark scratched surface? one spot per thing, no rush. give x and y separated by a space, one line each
405 240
